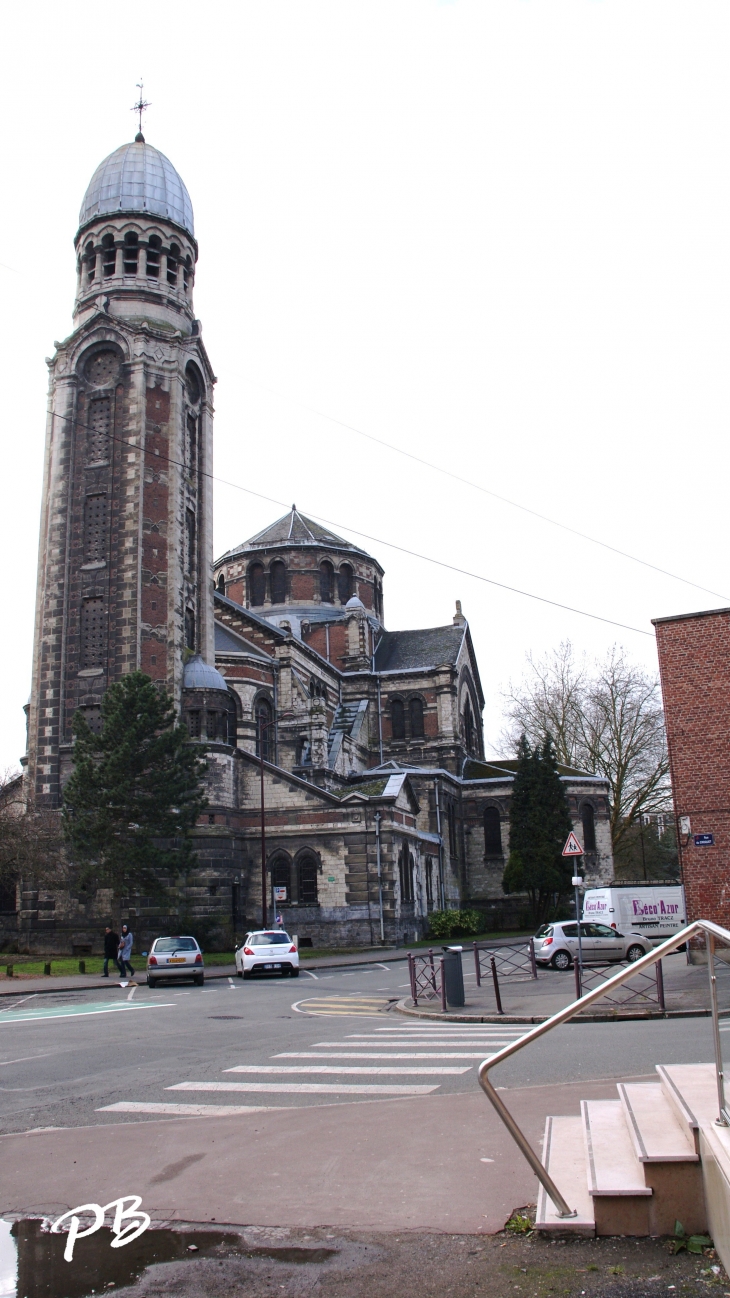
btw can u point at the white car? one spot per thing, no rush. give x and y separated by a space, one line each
269 951
557 944
175 957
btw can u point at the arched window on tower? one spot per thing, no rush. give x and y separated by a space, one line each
278 582
468 727
307 870
90 256
256 585
191 450
492 832
98 430
281 879
108 256
397 719
187 273
345 583
131 253
264 729
189 629
153 257
222 583
588 819
415 708
173 259
326 582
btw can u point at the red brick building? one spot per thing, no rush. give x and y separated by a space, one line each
694 662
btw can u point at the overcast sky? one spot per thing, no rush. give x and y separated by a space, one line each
493 233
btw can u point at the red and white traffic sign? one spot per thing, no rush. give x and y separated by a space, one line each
572 846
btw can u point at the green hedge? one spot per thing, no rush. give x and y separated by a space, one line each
454 923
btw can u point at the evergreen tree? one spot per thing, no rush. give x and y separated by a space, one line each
539 825
135 792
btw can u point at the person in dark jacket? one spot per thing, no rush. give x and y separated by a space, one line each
111 947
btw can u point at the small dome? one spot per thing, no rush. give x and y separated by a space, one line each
138 178
355 603
199 675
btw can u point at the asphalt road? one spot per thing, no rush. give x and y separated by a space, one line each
135 1054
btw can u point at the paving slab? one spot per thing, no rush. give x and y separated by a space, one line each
442 1163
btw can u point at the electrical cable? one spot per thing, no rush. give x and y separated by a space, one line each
415 554
476 486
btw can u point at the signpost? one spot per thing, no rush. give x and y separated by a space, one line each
573 848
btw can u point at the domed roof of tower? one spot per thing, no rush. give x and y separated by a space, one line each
294 528
199 675
138 178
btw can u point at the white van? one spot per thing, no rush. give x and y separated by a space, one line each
657 912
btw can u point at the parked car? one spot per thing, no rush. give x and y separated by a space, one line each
557 944
175 958
267 952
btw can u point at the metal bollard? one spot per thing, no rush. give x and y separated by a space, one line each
660 986
412 976
82 966
533 961
9 971
47 969
477 966
495 980
433 969
443 985
578 980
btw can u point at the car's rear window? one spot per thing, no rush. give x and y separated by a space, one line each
545 931
268 939
175 944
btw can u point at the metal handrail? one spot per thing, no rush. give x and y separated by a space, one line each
712 931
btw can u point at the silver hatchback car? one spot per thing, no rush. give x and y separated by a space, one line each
557 944
175 957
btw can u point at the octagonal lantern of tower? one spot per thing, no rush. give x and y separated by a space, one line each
125 539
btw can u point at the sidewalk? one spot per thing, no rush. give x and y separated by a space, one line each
527 1000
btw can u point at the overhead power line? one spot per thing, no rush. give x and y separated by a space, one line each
476 486
392 545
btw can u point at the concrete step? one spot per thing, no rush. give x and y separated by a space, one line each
692 1091
564 1157
665 1148
615 1175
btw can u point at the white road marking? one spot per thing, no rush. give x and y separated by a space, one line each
383 966
232 984
410 1044
25 1058
309 973
37 1016
131 994
326 1068
365 1054
306 1088
185 1110
454 1030
22 1000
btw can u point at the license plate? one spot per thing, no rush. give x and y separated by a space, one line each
177 959
272 966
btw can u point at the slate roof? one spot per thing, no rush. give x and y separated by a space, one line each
404 650
227 642
294 529
505 767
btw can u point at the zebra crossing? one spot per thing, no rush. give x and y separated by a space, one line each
393 1057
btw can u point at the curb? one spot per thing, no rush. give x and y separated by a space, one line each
609 1017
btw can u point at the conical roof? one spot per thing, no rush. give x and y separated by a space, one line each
296 528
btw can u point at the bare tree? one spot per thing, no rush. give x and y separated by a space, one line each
606 719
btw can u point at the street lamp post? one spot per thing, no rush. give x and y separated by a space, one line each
262 726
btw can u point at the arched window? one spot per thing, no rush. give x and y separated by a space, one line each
186 273
492 832
90 262
256 584
345 583
222 584
415 708
307 871
153 257
264 730
131 253
193 384
468 727
278 582
397 719
108 256
189 628
191 450
405 873
281 879
98 430
173 258
588 818
326 582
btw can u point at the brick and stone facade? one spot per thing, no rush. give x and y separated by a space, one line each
694 664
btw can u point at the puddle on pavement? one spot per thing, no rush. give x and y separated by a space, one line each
32 1264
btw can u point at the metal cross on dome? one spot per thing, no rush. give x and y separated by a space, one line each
141 105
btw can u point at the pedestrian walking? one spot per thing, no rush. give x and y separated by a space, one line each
111 949
126 942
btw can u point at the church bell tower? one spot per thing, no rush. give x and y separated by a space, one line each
124 570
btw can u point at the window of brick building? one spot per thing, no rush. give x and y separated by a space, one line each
326 582
131 253
281 877
307 870
415 708
264 730
194 724
93 719
429 882
108 256
153 257
95 520
99 429
278 582
102 368
173 259
398 719
222 584
468 726
588 819
405 873
257 584
345 583
93 631
492 832
90 257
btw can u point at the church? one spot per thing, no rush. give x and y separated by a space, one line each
347 783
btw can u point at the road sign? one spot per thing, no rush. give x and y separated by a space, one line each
572 846
704 840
